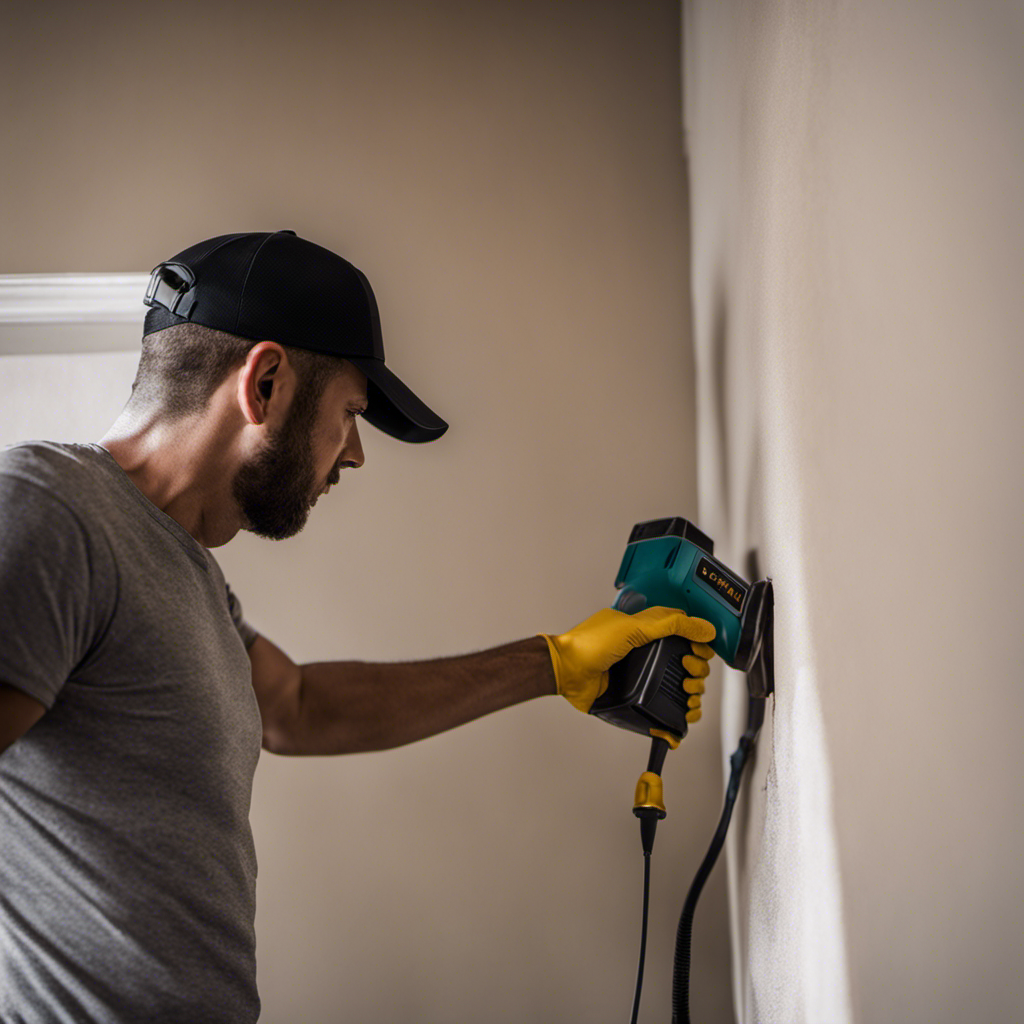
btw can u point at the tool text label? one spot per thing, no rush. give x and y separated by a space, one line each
723 584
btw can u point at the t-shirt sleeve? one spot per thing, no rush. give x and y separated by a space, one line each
245 631
55 594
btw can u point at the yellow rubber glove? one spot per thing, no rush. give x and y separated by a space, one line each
697 666
581 658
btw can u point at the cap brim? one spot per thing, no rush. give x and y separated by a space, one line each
393 408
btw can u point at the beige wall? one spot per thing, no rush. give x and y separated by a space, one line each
857 236
510 178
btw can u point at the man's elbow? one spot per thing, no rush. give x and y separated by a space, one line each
280 722
276 740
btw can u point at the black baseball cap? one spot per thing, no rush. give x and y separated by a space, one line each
275 286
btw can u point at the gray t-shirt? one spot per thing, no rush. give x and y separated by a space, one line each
127 869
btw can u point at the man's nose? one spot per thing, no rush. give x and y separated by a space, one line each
352 456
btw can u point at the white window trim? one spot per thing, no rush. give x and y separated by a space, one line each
72 298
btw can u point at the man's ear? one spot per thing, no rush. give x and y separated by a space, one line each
257 384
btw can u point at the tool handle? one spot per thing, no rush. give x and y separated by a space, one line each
645 689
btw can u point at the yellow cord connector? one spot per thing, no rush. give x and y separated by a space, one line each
649 793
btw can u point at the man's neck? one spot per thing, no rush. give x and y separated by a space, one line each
185 467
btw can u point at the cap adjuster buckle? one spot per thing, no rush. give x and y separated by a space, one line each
172 285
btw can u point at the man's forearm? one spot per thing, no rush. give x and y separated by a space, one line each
351 706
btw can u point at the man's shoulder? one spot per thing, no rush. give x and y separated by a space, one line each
59 467
56 473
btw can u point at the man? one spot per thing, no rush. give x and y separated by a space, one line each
134 697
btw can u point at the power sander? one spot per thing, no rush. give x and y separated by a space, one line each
671 563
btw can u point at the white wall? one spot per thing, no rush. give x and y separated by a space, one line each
62 397
858 221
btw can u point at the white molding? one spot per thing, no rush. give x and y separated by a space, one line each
72 298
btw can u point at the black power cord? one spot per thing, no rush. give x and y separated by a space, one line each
737 762
649 816
650 810
643 940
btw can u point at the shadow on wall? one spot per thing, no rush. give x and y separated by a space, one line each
720 379
732 511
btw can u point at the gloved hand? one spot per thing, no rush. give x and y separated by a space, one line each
581 658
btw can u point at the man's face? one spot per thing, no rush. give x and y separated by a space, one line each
278 487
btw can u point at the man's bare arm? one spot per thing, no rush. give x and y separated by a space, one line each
18 713
340 707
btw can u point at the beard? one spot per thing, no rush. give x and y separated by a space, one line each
277 488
